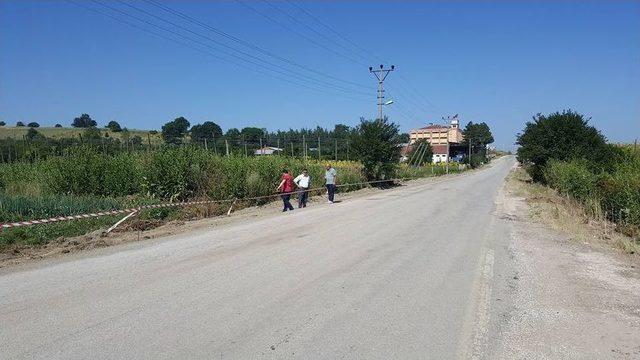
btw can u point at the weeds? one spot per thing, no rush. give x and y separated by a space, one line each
85 181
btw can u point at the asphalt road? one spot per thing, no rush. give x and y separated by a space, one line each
401 273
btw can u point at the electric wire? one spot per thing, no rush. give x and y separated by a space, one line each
248 44
203 51
300 76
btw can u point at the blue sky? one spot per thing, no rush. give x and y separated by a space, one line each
498 62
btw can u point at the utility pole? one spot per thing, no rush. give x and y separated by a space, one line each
319 152
226 145
291 143
304 147
278 146
448 124
244 144
261 148
347 149
381 74
469 144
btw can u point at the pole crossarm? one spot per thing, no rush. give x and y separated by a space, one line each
381 74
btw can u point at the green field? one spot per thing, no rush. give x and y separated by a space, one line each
17 133
86 180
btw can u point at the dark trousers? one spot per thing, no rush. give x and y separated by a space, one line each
287 204
303 195
331 191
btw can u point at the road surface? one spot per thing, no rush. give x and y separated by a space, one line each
401 273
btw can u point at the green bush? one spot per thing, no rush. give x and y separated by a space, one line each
84 171
167 174
87 180
571 178
20 207
620 194
615 192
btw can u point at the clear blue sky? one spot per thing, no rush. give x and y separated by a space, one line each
498 62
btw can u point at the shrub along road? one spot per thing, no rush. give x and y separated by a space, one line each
405 273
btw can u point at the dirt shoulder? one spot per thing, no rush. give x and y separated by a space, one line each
564 291
128 235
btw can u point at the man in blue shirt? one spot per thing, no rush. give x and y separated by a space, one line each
330 178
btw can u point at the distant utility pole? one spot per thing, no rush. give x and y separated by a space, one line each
245 146
381 74
448 124
304 147
347 149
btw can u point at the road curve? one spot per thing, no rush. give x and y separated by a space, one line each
397 274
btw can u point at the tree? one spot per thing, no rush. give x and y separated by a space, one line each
478 136
341 131
233 134
403 138
19 124
2 123
477 133
174 131
252 134
560 136
207 130
58 126
114 126
33 125
84 121
375 144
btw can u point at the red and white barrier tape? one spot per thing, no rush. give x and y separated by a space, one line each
165 205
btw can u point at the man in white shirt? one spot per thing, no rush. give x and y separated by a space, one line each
303 181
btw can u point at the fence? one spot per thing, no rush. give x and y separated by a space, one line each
31 150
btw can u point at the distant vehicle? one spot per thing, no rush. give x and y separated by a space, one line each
458 158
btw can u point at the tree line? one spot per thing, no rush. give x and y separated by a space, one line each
376 143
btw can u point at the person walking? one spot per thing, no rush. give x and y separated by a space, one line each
286 187
330 179
303 181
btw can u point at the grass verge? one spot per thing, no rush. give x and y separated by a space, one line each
568 215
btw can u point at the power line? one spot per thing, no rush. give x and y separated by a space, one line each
336 32
209 53
248 44
417 92
411 92
297 74
294 19
288 28
408 100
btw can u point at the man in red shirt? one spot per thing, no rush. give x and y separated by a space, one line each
286 187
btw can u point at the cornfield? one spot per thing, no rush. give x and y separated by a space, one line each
86 180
